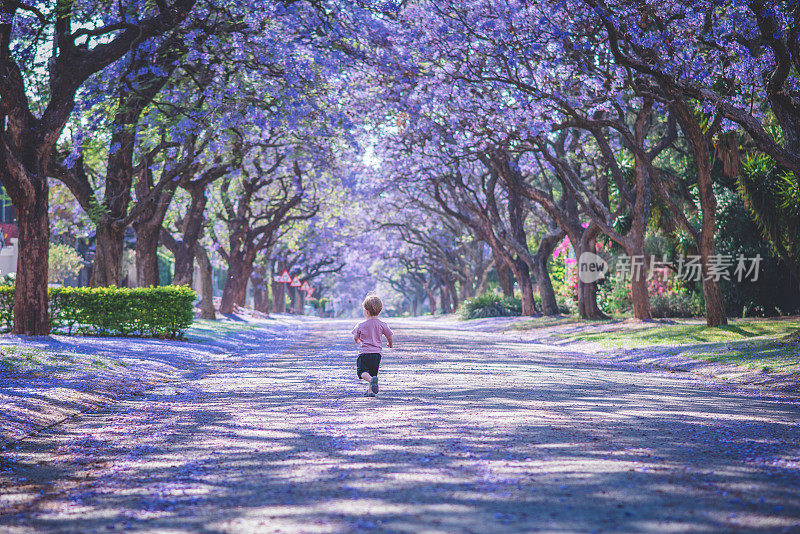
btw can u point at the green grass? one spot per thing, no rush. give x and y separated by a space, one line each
16 360
756 344
219 326
205 330
544 322
764 355
687 334
97 362
20 359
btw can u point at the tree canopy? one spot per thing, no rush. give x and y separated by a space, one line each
434 150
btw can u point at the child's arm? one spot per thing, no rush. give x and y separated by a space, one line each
389 339
356 338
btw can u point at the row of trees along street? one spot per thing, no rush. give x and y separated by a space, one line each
444 149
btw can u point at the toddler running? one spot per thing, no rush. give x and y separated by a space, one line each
368 336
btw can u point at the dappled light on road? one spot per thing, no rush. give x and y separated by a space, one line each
471 432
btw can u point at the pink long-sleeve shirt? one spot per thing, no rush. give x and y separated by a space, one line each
369 334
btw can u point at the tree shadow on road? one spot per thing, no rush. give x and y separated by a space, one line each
467 439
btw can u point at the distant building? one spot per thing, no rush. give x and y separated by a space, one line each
9 252
8 235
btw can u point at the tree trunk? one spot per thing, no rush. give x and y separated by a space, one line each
640 297
278 297
206 284
698 141
444 301
523 276
147 225
278 288
547 245
517 213
184 266
147 235
241 291
192 231
431 299
528 303
23 165
545 286
587 293
107 264
480 287
587 302
465 291
714 303
451 290
235 284
526 290
183 277
504 277
260 296
260 290
31 316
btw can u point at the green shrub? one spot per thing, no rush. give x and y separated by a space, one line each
317 304
614 296
164 312
565 305
6 307
64 263
677 304
490 305
775 291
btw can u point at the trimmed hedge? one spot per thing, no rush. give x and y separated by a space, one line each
164 312
490 305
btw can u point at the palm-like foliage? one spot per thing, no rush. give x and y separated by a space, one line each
772 196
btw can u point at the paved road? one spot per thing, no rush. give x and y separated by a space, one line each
472 432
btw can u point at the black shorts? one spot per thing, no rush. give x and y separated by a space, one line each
368 363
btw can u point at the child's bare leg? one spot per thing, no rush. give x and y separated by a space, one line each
372 384
368 379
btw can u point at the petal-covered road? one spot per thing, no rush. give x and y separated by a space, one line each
471 432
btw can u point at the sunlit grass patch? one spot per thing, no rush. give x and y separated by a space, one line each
686 334
19 360
544 322
97 362
763 355
207 325
205 329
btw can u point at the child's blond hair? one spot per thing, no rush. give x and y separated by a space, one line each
373 305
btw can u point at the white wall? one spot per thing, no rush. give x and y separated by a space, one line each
8 257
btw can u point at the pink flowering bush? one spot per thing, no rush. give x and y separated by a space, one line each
669 299
563 274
